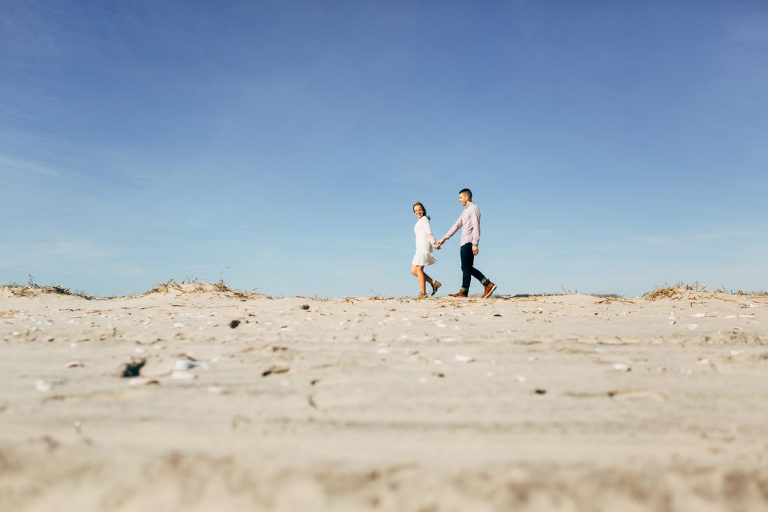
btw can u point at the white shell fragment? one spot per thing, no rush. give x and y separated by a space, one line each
74 364
464 359
43 386
185 364
622 367
183 375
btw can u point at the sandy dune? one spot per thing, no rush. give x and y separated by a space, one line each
534 403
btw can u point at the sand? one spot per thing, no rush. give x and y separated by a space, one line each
568 403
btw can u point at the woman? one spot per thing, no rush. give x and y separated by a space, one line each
425 241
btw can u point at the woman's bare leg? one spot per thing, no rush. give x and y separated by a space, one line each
418 271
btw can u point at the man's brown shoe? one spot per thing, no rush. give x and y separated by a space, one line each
489 290
460 294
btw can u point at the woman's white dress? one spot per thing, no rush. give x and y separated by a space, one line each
423 233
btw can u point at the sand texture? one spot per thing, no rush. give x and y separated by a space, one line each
565 403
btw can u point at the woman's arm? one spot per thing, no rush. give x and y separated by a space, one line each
430 236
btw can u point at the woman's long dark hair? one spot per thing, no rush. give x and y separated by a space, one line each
422 207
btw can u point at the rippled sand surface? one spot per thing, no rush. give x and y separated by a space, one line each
251 403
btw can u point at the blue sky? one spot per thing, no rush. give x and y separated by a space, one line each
611 146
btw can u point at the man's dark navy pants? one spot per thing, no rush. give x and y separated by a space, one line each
467 268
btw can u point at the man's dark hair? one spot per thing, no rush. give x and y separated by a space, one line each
466 191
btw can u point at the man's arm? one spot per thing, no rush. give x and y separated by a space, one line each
474 224
451 232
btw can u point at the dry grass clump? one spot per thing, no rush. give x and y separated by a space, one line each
752 294
682 290
667 292
31 289
195 286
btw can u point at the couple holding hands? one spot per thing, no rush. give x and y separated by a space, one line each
469 222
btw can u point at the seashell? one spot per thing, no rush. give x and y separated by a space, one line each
183 375
185 364
622 367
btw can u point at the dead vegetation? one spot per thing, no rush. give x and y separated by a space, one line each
31 289
751 294
195 286
680 291
665 291
171 286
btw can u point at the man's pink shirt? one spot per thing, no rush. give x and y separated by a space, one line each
469 221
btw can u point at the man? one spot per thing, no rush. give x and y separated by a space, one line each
469 222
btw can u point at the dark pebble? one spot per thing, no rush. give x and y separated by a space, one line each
133 368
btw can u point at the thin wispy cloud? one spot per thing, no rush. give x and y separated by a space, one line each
12 165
